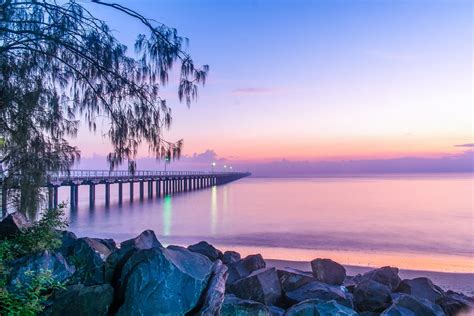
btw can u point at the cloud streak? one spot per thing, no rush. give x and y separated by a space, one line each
253 91
465 145
284 168
389 55
463 162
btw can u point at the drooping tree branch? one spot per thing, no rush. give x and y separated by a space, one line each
58 63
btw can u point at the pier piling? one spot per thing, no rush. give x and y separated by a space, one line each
166 183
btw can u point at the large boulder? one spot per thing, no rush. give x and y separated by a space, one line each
215 291
276 311
160 281
244 267
406 305
421 288
316 307
207 250
321 291
81 300
146 240
386 275
230 257
350 282
68 240
234 306
261 285
456 303
25 268
13 224
291 279
116 260
372 296
328 271
107 242
89 256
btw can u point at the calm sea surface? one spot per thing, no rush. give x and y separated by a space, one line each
413 221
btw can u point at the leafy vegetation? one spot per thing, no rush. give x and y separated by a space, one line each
60 64
28 299
42 235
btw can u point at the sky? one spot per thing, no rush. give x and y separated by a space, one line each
316 81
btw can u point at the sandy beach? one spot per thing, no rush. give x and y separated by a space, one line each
459 282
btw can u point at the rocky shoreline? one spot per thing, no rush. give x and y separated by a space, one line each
142 277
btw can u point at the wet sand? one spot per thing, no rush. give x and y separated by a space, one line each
459 282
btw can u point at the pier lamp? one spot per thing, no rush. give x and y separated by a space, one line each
225 167
213 165
230 168
167 160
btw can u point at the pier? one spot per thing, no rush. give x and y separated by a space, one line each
157 183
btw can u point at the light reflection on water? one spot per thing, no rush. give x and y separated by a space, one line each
213 209
167 215
363 220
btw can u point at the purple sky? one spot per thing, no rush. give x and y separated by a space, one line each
294 83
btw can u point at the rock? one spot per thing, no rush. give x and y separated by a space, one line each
244 267
350 282
332 308
304 308
291 279
68 239
456 303
81 300
386 275
25 268
107 242
215 290
421 288
89 256
230 257
160 281
207 250
276 311
234 306
372 296
405 305
13 224
261 285
328 271
146 240
321 291
317 307
116 260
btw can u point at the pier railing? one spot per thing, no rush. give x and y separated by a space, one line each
96 174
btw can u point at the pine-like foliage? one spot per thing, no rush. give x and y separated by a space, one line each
58 64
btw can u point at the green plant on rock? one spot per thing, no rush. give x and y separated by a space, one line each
42 235
29 298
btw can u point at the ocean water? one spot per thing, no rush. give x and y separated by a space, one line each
422 222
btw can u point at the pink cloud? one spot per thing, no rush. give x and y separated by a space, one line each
253 91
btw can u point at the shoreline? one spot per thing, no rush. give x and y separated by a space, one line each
373 258
410 265
414 261
454 281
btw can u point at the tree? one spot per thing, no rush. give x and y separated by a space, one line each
59 63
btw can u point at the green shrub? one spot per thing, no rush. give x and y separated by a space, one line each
28 299
42 235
